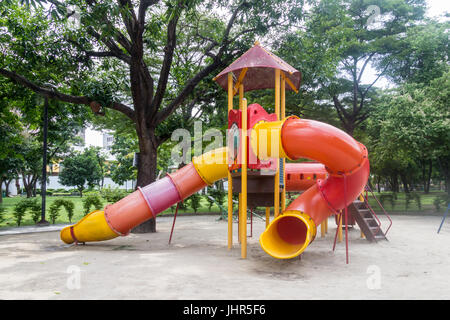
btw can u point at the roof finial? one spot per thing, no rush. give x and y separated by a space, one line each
256 43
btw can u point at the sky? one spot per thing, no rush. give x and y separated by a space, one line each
435 9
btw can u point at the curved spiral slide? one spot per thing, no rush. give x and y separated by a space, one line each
342 174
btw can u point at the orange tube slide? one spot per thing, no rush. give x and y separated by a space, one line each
347 165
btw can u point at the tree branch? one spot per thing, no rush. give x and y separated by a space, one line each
167 62
364 66
143 6
130 20
192 83
54 94
118 53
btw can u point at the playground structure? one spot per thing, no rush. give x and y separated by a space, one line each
254 165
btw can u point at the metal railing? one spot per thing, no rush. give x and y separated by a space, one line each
366 199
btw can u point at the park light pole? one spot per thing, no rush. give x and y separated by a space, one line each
44 222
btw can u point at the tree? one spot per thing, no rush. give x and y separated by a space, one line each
80 169
409 130
338 43
147 40
122 169
423 55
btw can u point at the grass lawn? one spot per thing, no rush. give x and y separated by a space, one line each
399 207
9 204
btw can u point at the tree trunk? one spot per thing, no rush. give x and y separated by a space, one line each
444 165
146 172
405 182
1 191
428 177
7 183
34 185
18 188
394 182
27 184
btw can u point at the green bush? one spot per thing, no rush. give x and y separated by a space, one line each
209 200
219 195
391 197
57 204
440 201
182 205
412 196
61 194
195 201
2 214
92 200
21 208
437 203
113 195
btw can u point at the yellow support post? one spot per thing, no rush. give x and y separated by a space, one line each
240 228
241 95
361 198
276 207
267 216
326 225
230 180
340 227
322 229
283 116
244 180
239 81
239 217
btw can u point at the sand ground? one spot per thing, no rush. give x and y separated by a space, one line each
414 264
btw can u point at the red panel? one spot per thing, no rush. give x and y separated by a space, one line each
255 114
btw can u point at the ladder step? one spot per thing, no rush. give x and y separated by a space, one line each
366 213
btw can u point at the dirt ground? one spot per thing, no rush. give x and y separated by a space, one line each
414 264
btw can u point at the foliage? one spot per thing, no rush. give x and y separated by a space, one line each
412 196
92 200
209 200
390 197
150 61
123 149
21 208
80 169
441 201
338 46
410 128
113 194
56 205
219 195
2 214
195 201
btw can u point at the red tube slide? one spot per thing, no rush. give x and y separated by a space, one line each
347 165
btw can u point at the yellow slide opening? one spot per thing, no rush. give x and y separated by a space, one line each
288 235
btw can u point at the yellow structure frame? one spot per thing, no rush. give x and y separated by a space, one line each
280 110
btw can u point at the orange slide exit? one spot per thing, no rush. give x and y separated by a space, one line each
339 179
